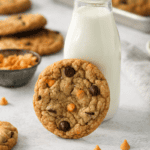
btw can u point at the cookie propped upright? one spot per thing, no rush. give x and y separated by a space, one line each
71 98
21 23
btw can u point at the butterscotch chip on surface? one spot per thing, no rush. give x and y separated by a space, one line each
3 101
76 103
97 148
125 145
8 135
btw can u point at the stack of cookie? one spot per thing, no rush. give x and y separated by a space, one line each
27 31
14 6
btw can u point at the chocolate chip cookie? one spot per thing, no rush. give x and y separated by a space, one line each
42 41
14 6
71 98
8 136
20 23
140 7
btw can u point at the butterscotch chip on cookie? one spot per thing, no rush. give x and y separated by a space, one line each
78 101
3 101
42 41
14 6
8 136
21 23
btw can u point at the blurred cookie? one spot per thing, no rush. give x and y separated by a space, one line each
42 41
8 136
139 7
71 98
20 23
14 6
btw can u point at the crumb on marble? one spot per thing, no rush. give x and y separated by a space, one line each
97 148
125 145
3 101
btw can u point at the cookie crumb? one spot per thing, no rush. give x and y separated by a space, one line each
3 101
125 145
97 148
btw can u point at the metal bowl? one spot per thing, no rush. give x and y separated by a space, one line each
17 78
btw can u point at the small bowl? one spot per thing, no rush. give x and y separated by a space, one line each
17 78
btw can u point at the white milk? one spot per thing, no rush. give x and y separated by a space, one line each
93 36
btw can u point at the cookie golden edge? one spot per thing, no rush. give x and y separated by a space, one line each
13 27
58 44
12 141
141 8
49 125
18 7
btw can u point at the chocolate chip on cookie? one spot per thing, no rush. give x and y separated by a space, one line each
52 111
64 126
12 133
123 1
90 113
28 43
19 17
69 71
94 90
23 23
76 100
39 97
57 32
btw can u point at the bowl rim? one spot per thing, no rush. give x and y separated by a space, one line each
26 51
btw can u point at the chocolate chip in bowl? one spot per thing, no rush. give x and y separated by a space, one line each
12 76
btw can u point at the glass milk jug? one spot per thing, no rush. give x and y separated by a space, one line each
93 36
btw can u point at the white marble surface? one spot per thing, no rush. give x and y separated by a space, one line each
132 121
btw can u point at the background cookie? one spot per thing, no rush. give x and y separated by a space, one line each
14 6
42 41
140 7
71 98
20 23
8 136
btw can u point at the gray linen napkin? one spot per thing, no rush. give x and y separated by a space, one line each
136 65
